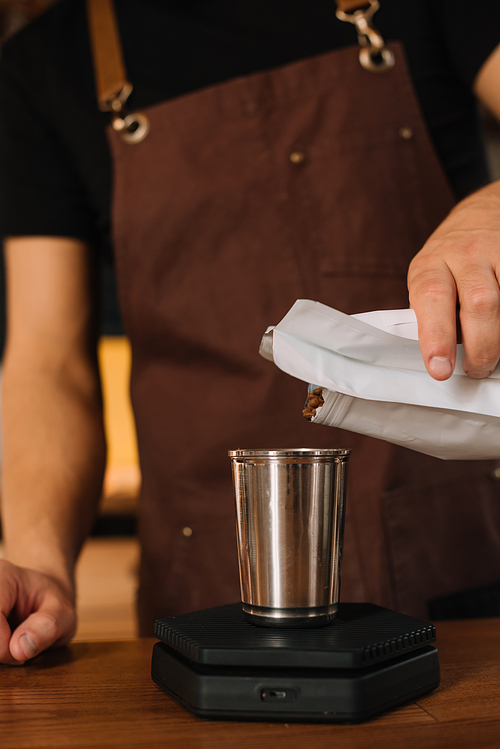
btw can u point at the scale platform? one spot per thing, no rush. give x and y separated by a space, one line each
367 661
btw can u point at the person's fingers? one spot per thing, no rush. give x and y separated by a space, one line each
44 613
479 296
53 624
38 632
433 297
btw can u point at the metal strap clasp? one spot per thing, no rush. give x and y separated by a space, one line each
133 127
373 55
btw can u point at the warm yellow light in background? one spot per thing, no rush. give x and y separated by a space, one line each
122 479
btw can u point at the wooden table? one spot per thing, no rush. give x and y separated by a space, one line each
100 694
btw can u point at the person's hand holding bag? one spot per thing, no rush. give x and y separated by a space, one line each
460 263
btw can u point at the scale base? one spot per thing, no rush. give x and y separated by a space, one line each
219 666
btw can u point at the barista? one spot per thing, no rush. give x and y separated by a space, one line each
275 167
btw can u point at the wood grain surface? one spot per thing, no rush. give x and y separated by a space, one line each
100 694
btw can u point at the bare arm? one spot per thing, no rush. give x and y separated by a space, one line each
461 262
54 448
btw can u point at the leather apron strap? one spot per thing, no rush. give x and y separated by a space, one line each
110 75
113 88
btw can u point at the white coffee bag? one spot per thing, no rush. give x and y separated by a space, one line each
374 381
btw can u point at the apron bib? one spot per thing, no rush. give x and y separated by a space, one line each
314 180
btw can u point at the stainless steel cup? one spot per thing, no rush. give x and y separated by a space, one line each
290 524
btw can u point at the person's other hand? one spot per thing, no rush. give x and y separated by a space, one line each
35 613
460 263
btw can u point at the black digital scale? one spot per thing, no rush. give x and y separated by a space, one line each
367 661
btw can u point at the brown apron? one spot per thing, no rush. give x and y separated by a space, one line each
314 180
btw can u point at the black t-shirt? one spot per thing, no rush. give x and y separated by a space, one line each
55 168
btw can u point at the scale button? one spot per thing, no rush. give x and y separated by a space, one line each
278 694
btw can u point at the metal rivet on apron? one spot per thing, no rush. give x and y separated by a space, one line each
406 133
297 157
187 531
495 474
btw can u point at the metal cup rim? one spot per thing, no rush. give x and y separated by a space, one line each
298 452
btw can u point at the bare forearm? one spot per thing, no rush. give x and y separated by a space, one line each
53 446
478 211
53 464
